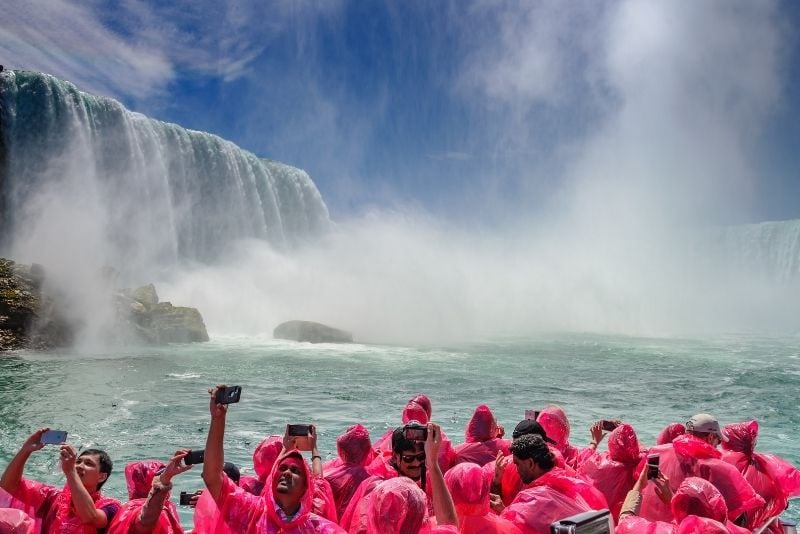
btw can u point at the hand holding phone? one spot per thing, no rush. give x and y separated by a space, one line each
195 457
415 432
608 425
652 466
228 394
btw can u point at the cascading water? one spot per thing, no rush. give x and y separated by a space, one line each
770 250
142 194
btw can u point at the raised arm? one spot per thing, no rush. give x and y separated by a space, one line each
81 499
215 454
162 484
443 505
316 459
12 476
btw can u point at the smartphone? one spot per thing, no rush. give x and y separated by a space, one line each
652 467
186 498
195 457
228 394
607 425
532 415
416 432
300 435
53 437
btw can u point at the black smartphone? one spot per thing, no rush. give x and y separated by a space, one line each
300 435
195 457
652 466
186 498
228 394
607 425
53 437
415 432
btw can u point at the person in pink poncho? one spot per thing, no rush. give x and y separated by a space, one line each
13 521
149 509
772 477
285 504
78 507
264 457
614 472
554 421
482 439
347 472
550 494
697 507
469 486
670 432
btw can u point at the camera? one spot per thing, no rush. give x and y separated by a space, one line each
186 498
592 522
414 431
607 425
228 394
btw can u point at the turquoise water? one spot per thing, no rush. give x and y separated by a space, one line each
146 403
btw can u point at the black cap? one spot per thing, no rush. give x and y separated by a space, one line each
232 471
529 426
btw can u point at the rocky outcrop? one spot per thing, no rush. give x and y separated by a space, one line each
311 332
143 319
29 317
33 318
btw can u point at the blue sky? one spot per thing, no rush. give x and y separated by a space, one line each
470 110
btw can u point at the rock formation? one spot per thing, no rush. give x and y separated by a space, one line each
311 332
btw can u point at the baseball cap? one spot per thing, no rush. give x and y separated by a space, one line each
529 426
705 423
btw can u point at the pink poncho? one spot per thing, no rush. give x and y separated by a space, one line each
613 473
469 486
670 432
243 512
481 443
556 425
355 452
14 521
263 458
139 478
551 497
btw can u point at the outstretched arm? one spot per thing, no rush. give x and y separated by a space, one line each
443 505
215 454
12 476
162 484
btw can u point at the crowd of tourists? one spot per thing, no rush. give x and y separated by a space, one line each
699 477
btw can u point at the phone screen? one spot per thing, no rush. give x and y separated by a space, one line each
53 437
652 467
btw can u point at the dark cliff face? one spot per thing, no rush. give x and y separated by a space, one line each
5 220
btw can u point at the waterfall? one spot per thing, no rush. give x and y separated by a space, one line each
768 250
146 193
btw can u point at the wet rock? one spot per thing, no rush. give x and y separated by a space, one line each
311 332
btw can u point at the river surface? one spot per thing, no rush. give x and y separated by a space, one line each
146 403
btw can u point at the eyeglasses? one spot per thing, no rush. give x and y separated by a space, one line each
408 458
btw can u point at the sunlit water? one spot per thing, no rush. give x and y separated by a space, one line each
147 403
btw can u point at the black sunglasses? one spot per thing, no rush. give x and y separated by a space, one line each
408 458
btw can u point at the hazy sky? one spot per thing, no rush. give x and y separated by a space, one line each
470 110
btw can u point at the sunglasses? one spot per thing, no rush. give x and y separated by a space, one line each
408 458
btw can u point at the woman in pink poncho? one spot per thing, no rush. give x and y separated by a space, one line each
150 509
286 502
614 472
59 512
469 487
772 477
554 421
481 440
345 475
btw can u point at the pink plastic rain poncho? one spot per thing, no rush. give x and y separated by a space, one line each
551 497
689 456
139 477
412 412
481 443
53 507
469 487
355 452
13 521
511 483
556 425
263 458
670 432
243 512
396 506
613 473
772 477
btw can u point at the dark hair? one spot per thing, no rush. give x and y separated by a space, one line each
106 465
232 471
532 446
399 441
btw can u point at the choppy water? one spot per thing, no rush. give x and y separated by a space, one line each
147 403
